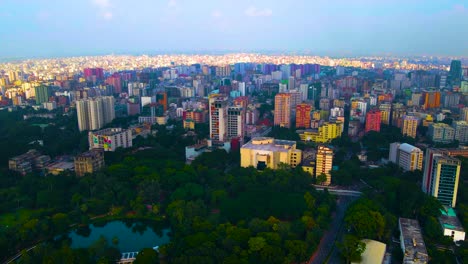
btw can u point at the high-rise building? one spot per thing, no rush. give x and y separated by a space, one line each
416 99
266 152
358 110
410 126
385 113
461 131
431 99
42 94
218 117
409 157
441 132
455 73
324 104
94 113
283 110
303 115
296 99
441 176
398 112
464 114
93 74
161 98
116 81
373 120
291 83
451 99
463 86
324 163
235 122
304 88
110 139
223 71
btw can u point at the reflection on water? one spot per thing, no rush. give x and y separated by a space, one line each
129 235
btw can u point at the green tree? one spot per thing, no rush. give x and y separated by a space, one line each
61 222
256 243
147 255
297 250
321 179
351 248
364 219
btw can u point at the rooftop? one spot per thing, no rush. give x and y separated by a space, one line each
408 148
64 165
449 219
415 249
270 144
374 253
92 153
109 131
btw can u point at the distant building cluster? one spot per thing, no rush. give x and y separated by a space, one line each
247 102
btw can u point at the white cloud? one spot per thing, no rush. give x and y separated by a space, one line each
172 3
107 15
216 14
104 7
101 3
252 11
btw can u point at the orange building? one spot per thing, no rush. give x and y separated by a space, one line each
373 119
303 115
283 110
198 116
431 99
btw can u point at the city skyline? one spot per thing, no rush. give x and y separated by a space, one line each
45 28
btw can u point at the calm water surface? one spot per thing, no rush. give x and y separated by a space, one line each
132 236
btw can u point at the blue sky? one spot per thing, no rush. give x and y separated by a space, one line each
323 27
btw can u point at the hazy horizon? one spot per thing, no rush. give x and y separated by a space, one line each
337 28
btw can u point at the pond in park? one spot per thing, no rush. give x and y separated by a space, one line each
127 236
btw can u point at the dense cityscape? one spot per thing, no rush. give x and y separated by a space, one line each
233 132
333 160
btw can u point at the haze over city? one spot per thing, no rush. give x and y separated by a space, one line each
248 131
45 28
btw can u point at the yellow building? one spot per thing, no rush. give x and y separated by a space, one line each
428 120
316 115
410 126
189 124
266 152
308 165
324 163
385 119
325 133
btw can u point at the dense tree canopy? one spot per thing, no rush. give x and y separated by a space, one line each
218 212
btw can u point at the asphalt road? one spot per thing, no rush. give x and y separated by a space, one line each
328 240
